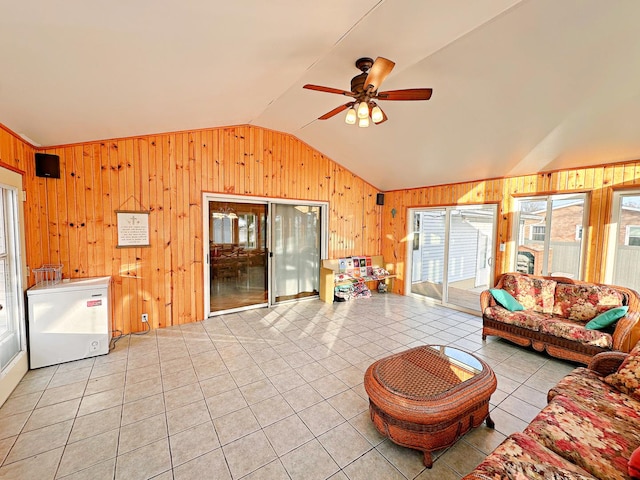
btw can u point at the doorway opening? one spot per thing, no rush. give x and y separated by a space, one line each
237 255
451 253
261 252
13 345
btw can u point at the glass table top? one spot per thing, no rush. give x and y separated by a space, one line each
427 371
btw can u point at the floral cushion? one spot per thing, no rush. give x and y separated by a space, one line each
599 444
584 302
532 293
571 330
634 464
580 381
525 319
521 457
627 378
588 388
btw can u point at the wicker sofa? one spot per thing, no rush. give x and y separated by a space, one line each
556 310
589 429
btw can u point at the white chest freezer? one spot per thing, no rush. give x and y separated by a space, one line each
69 321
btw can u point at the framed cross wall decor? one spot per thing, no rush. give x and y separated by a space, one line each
133 228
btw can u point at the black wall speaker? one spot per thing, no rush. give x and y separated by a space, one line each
380 199
47 165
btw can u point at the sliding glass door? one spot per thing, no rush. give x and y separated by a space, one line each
428 252
261 252
296 250
238 255
13 347
452 253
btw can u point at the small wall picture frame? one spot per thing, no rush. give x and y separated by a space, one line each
133 228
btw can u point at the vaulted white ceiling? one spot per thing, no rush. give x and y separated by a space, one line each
520 86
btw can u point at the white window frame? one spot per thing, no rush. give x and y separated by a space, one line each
542 230
627 234
517 228
614 232
225 229
250 231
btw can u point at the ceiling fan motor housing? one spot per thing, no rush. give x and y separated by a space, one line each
357 83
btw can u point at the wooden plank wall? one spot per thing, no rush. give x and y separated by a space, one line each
599 182
72 221
14 152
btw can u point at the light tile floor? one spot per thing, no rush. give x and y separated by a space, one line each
264 394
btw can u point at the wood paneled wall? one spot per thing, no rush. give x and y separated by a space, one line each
599 182
14 152
72 220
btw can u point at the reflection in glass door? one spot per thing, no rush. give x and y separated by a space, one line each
238 255
296 247
452 253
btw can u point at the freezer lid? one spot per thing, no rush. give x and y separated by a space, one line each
73 284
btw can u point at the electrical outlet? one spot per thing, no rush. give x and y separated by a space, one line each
145 317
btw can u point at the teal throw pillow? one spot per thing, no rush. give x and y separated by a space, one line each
607 318
505 299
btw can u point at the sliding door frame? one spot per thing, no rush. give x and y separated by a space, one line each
447 244
269 202
19 365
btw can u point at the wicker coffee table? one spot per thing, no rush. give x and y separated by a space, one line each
428 397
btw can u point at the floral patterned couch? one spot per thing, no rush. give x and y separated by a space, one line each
556 311
589 429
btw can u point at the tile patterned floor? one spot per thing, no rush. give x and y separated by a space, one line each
264 394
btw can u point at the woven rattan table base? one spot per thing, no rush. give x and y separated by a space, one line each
419 399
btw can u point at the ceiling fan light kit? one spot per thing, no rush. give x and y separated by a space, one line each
351 117
376 114
364 89
363 110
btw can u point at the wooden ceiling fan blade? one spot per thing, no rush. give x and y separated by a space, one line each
406 94
320 88
336 111
379 71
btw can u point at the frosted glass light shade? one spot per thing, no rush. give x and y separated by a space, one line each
376 114
350 119
363 122
363 110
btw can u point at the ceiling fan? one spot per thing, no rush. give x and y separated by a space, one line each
364 90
